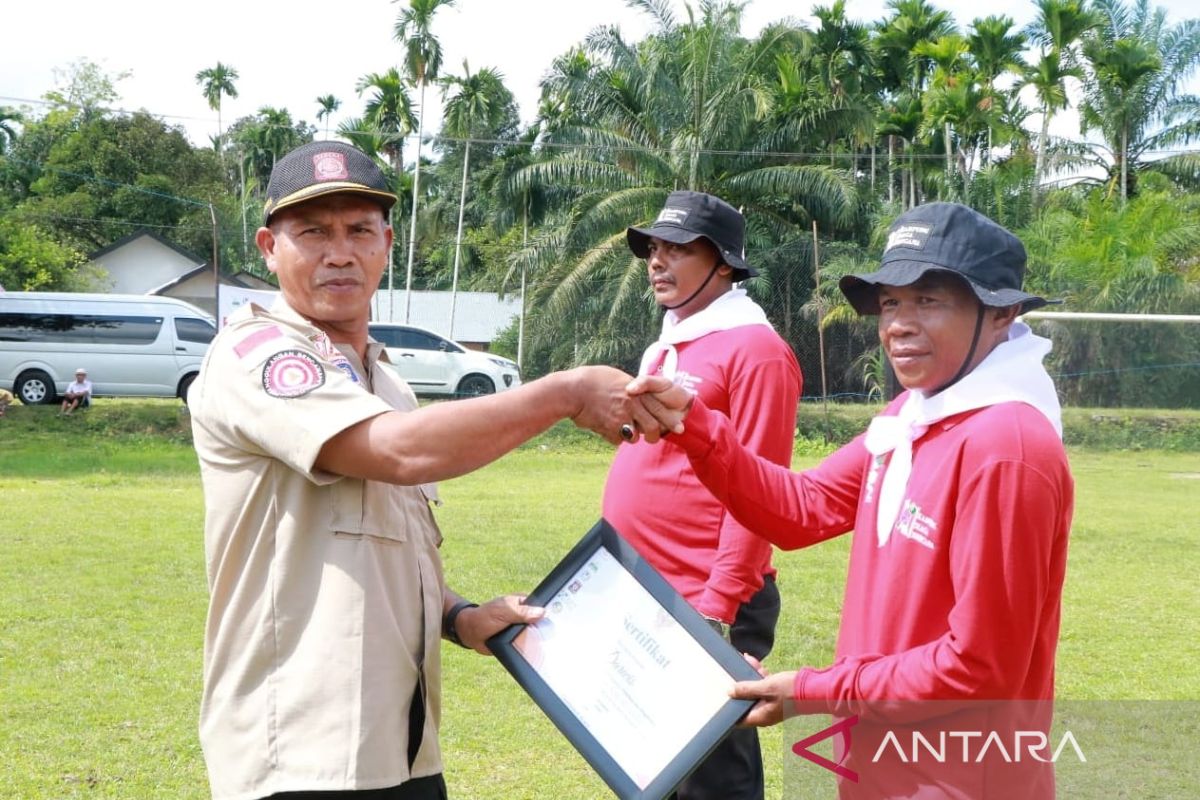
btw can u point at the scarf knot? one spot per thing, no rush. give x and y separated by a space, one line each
731 310
1012 372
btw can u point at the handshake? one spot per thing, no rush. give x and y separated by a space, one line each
621 408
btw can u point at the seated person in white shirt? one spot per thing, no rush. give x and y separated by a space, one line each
79 392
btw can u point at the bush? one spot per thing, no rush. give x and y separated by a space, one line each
819 430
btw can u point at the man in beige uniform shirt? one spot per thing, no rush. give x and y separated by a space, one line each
321 658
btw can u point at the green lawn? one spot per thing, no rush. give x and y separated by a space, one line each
102 602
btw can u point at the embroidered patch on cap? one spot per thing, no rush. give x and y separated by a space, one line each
912 236
292 373
671 216
330 166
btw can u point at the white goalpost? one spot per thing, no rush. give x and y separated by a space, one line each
1110 316
1141 360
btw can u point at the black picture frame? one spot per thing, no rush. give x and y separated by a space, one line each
603 535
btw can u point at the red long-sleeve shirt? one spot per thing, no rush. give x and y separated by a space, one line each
951 626
750 377
963 601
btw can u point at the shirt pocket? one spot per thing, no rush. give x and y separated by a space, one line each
371 508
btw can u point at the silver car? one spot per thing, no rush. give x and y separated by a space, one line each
435 366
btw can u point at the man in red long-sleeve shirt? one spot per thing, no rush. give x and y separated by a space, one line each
960 499
718 342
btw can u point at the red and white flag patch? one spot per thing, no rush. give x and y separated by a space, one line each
253 340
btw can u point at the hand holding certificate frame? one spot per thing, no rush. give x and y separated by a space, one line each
628 671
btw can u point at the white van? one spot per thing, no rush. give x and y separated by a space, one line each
131 345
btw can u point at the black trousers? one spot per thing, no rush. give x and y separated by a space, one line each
734 770
431 788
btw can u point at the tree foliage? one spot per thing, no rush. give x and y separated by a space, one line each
839 124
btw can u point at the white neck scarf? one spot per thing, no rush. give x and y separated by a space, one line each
731 310
1012 372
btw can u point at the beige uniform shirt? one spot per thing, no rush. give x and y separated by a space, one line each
326 591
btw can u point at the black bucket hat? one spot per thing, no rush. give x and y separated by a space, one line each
320 168
952 238
686 217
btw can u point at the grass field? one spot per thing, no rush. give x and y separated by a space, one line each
102 602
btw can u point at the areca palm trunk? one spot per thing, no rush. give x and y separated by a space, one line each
891 168
412 228
462 202
1040 164
242 203
220 139
872 168
521 319
949 156
1124 161
397 165
908 191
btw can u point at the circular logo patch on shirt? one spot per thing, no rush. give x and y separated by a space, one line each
343 363
292 373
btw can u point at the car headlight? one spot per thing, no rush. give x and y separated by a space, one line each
502 364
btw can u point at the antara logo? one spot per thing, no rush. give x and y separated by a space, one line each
1035 743
970 746
841 728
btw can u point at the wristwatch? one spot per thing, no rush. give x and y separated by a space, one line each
449 628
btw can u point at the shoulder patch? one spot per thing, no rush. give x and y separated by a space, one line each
251 342
292 373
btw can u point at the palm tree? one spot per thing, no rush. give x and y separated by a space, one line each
913 22
8 133
389 118
266 136
1117 100
1057 30
1137 64
423 61
1048 79
845 66
902 118
903 73
328 104
526 207
948 54
388 114
1133 257
217 82
655 117
480 103
995 51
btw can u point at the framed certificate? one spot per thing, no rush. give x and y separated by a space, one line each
630 673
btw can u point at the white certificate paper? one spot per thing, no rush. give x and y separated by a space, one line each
637 681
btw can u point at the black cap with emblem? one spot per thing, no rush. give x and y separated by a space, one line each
687 216
953 238
320 168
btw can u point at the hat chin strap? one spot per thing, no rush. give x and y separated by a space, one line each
692 296
970 354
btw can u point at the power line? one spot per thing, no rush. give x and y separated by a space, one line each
411 136
111 221
105 109
95 179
